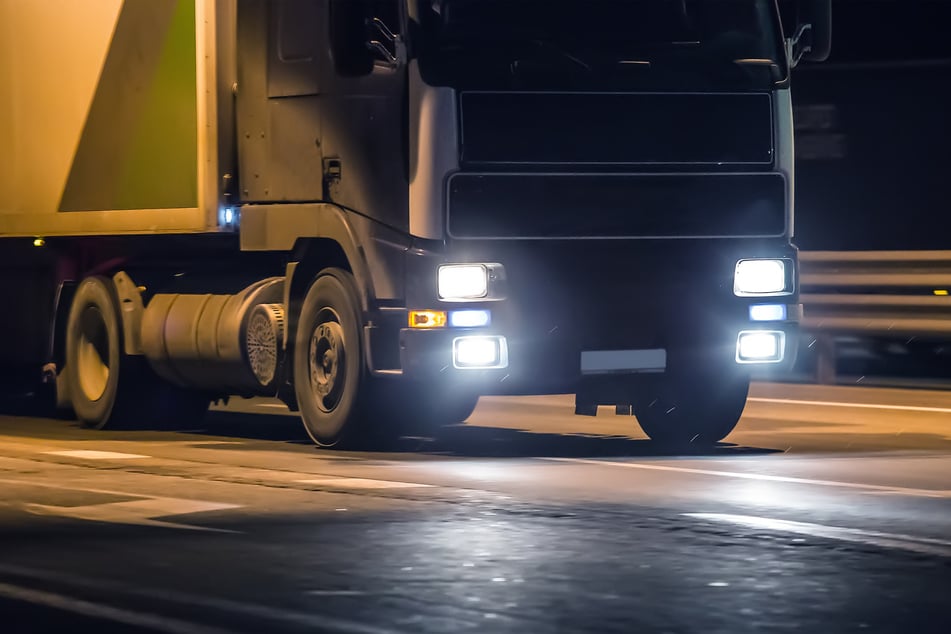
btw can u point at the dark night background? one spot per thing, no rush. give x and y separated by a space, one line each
873 130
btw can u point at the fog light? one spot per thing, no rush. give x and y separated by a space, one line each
470 318
479 353
768 312
760 346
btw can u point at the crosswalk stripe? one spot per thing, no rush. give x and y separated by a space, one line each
96 455
137 512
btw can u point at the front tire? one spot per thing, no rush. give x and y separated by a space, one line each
424 409
698 409
340 403
328 359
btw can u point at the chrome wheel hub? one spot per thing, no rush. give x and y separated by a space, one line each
328 364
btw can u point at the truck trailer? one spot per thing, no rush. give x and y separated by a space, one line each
379 210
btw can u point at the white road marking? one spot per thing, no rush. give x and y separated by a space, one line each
900 408
96 455
137 512
933 493
105 612
362 483
925 545
66 487
312 620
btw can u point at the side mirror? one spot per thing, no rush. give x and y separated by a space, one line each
348 31
812 40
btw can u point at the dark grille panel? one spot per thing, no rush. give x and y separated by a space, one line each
619 128
616 205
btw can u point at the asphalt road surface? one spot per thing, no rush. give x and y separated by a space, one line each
829 510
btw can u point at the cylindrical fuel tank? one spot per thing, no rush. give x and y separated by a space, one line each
229 343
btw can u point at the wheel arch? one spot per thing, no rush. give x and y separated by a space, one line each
316 235
332 243
62 303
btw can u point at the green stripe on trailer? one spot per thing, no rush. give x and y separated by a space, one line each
139 145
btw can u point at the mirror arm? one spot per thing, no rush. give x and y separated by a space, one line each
378 47
793 49
383 29
392 60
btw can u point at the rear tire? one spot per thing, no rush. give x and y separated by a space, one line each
107 387
93 353
698 409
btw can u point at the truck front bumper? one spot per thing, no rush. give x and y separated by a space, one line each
551 359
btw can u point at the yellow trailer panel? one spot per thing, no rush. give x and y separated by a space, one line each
107 121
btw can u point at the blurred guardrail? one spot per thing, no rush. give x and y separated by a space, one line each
873 293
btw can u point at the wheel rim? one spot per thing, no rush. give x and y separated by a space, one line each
93 354
328 361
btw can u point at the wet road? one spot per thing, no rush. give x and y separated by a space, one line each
829 510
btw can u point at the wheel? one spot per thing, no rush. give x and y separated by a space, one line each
93 352
694 409
108 387
328 367
452 409
421 409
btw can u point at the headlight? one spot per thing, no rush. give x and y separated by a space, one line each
470 282
463 281
762 277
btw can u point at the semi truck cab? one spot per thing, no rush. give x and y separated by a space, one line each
601 196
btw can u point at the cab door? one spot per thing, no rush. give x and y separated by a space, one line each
281 49
365 110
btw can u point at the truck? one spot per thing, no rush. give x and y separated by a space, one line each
379 210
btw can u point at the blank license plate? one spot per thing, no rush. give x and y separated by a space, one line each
611 361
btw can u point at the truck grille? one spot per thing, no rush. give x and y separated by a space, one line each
539 205
616 128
